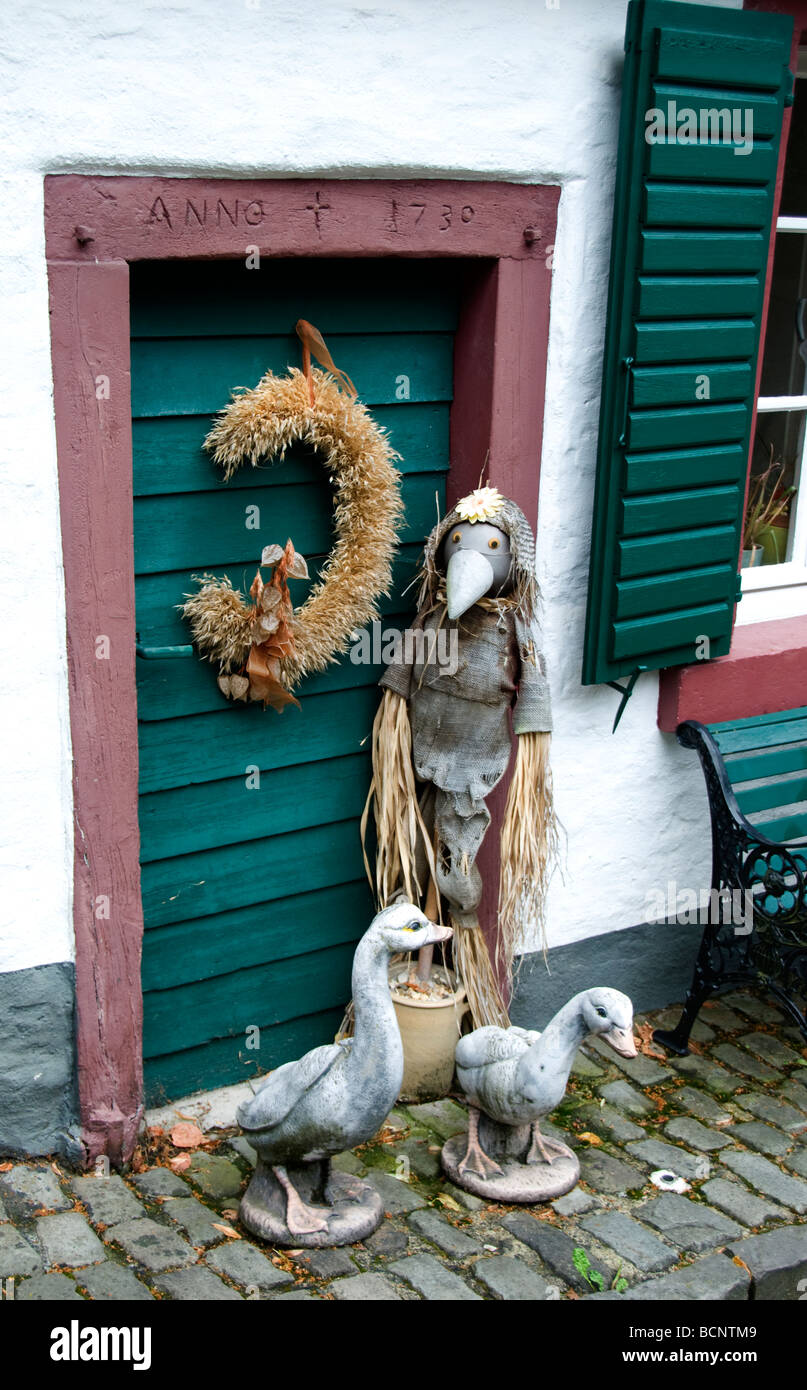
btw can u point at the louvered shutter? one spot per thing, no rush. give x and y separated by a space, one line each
688 259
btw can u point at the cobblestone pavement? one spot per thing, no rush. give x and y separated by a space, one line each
730 1119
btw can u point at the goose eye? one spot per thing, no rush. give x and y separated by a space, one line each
602 1013
493 543
411 926
456 537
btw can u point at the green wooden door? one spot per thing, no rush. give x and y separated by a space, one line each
254 896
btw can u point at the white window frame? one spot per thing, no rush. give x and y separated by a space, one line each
780 591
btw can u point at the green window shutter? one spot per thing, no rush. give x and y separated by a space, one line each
688 261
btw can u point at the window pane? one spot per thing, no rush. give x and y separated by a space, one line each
784 366
794 188
775 472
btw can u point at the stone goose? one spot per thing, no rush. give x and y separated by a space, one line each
338 1095
515 1076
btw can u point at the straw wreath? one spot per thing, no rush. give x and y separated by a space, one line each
264 423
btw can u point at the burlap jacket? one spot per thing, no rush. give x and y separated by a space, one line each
460 723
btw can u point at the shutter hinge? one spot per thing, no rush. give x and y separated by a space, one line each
738 588
627 367
790 82
625 691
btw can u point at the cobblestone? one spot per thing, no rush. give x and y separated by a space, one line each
605 1120
327 1264
29 1190
195 1219
17 1255
746 1207
108 1282
395 1194
511 1280
657 1154
196 1285
626 1097
699 1104
67 1239
218 1177
758 1009
433 1280
108 1200
689 1225
772 1050
718 1079
161 1182
777 1261
761 1137
630 1240
576 1202
556 1250
246 1265
743 1062
695 1134
607 1174
715 1277
48 1288
387 1241
154 1247
441 1233
798 1162
364 1288
444 1117
724 1018
766 1177
775 1112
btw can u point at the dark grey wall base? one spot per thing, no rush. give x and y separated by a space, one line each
651 963
38 1108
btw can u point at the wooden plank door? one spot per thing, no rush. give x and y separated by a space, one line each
254 896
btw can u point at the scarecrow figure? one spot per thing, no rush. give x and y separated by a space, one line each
442 741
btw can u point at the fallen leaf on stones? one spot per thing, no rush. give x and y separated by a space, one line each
447 1201
6 1167
180 1163
156 1131
589 1137
226 1230
230 1213
187 1135
736 1260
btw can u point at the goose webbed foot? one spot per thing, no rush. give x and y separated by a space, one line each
476 1160
540 1150
301 1219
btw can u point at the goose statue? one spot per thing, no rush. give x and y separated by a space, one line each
333 1098
512 1077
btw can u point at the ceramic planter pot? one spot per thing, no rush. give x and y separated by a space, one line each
752 557
430 1030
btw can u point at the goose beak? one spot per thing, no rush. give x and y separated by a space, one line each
621 1040
468 577
437 933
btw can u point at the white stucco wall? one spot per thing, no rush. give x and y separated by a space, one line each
512 90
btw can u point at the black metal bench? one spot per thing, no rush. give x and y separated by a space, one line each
753 768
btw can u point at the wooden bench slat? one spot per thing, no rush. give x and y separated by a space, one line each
774 794
753 735
766 763
785 828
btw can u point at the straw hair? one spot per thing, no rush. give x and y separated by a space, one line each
263 423
475 968
529 847
401 835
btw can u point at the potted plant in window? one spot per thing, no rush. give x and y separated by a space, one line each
766 516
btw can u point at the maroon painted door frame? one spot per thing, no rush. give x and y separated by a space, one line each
94 228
